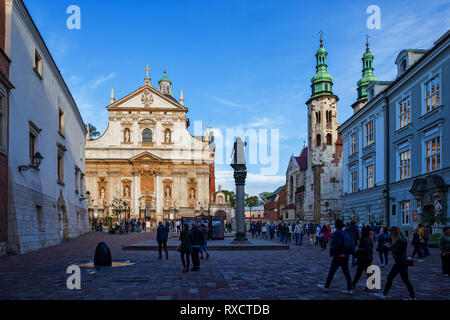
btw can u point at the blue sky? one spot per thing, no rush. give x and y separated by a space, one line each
241 64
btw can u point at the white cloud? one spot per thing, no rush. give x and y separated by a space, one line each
255 183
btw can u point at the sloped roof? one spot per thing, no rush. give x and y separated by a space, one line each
273 194
302 160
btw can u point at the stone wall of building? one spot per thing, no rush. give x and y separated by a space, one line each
35 223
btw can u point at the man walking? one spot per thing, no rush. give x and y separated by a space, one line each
353 231
197 242
341 248
162 235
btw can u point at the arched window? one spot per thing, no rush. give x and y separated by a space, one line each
329 139
147 136
318 140
329 116
318 116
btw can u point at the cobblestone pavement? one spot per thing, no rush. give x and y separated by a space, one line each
290 274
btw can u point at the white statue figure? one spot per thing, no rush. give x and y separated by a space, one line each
102 193
168 192
142 204
127 192
153 204
437 208
127 135
192 194
167 136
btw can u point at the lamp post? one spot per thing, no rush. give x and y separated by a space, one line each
35 163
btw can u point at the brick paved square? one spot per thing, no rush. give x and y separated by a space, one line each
261 275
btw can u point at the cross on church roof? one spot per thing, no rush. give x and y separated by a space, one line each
147 69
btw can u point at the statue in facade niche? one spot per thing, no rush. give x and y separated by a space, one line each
437 208
127 136
127 192
168 138
192 194
102 193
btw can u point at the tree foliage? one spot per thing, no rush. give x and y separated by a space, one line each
93 132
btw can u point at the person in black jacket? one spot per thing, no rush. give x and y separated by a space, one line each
364 254
197 242
185 247
340 258
354 233
162 235
398 250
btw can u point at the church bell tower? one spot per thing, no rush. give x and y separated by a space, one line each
324 142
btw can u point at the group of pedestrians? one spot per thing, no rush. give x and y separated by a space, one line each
193 244
359 244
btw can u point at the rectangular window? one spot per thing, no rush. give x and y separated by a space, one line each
405 165
405 212
354 143
32 146
60 164
61 122
369 133
354 178
369 176
405 112
433 154
433 94
37 63
77 177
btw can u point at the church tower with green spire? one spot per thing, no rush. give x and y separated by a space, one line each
324 172
367 78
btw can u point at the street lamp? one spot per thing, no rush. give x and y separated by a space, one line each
36 163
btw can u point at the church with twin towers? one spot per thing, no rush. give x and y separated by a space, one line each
148 163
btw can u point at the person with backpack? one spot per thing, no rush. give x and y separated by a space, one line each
197 242
383 251
364 255
353 231
398 249
341 248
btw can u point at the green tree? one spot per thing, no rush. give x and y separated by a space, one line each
93 132
263 197
252 201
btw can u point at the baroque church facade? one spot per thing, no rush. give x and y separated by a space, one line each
147 163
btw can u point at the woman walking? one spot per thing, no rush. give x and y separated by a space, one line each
364 255
185 247
398 248
417 245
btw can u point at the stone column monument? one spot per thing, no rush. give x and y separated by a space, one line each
240 174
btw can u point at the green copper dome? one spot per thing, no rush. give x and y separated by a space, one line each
322 82
368 75
164 78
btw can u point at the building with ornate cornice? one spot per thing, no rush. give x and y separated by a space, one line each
147 165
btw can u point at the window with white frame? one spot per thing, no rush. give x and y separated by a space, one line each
369 176
369 133
405 112
433 93
354 143
405 208
405 164
433 154
354 180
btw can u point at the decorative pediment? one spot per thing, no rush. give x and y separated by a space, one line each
145 156
147 98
